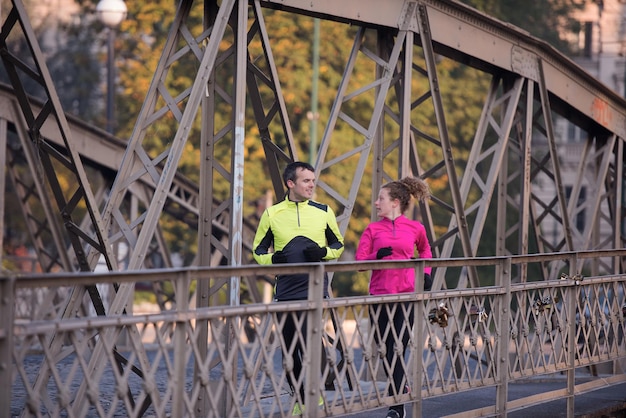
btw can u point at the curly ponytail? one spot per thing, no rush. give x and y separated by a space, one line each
406 188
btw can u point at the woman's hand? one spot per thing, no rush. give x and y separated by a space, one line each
384 252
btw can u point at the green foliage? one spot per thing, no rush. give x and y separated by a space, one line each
141 38
144 296
140 41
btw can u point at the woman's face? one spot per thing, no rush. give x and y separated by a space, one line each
385 206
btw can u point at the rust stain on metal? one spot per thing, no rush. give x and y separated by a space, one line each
601 112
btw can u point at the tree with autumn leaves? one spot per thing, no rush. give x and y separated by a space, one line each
141 38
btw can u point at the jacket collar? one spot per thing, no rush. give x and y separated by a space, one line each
291 202
399 218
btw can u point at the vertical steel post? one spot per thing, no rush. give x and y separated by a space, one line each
237 170
503 277
314 116
571 302
3 164
182 286
205 211
619 219
314 335
525 180
405 101
237 163
378 143
7 302
419 308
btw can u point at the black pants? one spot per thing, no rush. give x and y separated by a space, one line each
381 314
293 322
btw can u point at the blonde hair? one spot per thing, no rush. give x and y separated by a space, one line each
406 188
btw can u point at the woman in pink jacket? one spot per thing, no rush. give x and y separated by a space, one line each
395 237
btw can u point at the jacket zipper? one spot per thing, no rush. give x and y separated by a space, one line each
298 212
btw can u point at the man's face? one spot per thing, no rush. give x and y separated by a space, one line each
303 187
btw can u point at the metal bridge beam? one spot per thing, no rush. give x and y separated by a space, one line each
532 83
513 51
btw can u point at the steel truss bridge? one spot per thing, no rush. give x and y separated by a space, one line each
84 194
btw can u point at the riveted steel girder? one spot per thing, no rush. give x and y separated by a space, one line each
514 173
411 35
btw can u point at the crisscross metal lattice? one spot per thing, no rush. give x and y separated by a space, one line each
443 342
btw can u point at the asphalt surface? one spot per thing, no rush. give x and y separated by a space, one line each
609 402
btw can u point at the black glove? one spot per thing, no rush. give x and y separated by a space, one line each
279 257
383 252
428 281
314 253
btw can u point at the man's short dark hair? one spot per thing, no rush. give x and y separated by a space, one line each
290 170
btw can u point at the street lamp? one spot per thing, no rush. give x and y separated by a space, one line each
111 13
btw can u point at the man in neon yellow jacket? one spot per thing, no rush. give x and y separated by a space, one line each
299 230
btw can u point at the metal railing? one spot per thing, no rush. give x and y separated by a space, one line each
460 340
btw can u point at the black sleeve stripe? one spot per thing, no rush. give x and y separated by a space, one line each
264 245
331 239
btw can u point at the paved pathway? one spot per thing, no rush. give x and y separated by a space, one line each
603 403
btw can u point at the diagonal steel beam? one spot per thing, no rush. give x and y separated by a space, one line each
381 85
18 24
446 145
42 224
83 234
163 178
